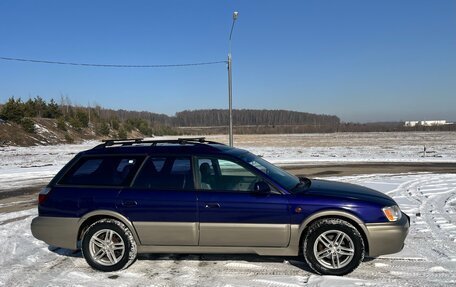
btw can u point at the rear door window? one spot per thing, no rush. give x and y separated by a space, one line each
171 172
103 171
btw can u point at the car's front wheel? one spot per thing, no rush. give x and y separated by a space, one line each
108 245
333 246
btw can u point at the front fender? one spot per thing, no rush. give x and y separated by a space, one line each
299 229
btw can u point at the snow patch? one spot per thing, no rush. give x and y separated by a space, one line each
438 269
242 265
331 281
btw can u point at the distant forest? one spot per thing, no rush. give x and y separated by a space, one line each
120 123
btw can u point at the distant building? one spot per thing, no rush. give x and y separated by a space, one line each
410 123
426 123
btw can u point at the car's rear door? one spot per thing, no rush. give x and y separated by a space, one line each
231 214
161 202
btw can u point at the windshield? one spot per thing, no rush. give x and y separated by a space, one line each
286 180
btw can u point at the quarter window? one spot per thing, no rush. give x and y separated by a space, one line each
103 171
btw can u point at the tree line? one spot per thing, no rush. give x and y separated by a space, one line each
249 117
148 123
120 123
21 112
103 122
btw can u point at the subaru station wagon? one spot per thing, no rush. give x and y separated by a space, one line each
190 195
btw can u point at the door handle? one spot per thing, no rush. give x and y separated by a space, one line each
212 205
129 203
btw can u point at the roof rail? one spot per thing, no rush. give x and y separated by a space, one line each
196 139
110 142
127 142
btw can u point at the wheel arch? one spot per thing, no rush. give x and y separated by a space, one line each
93 216
340 214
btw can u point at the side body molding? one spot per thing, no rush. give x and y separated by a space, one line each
296 232
41 230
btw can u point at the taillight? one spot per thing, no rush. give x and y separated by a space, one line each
42 196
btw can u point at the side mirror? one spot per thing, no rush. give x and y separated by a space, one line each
261 187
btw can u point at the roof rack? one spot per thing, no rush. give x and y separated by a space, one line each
127 142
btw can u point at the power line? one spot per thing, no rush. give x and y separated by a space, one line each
112 65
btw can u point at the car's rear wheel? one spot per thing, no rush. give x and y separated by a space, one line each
108 245
333 247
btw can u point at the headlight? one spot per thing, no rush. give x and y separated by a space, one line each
393 213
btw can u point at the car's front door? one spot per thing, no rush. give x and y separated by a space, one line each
161 203
231 213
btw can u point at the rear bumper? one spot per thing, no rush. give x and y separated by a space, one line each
57 231
387 238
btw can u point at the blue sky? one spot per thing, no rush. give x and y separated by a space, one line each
361 60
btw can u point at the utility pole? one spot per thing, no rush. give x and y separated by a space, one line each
230 82
88 105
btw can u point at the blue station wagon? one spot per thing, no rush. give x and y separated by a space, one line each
125 197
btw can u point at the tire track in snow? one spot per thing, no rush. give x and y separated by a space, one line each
433 213
431 235
429 193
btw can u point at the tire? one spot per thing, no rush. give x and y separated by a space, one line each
333 246
108 245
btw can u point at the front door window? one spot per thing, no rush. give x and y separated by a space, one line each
225 175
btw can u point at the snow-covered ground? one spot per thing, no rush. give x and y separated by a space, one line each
360 154
31 166
28 166
353 147
428 259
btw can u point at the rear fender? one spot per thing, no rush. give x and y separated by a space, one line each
111 214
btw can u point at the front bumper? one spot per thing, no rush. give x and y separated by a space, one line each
57 231
388 237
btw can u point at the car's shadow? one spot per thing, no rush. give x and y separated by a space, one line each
65 252
251 258
203 258
295 261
